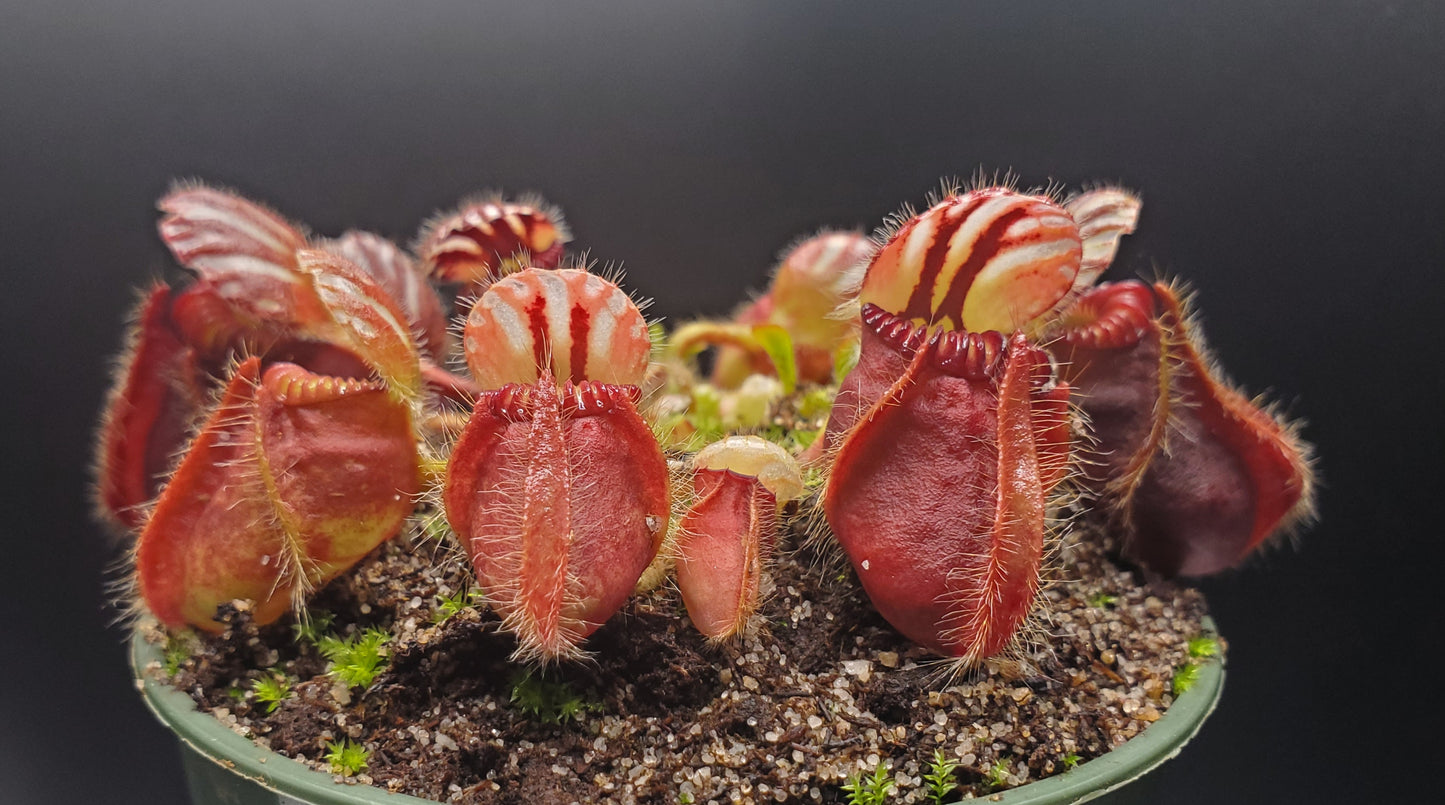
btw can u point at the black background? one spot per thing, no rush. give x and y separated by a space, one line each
1290 155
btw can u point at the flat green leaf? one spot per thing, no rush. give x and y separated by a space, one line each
779 345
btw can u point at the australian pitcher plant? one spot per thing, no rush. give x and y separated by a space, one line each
288 409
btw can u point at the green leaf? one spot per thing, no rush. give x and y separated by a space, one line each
779 345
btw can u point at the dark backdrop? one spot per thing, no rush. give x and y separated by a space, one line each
1289 154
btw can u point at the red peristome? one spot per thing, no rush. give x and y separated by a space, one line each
259 290
1193 472
939 484
156 398
888 343
724 541
355 331
1112 350
886 347
293 478
1111 317
474 243
561 498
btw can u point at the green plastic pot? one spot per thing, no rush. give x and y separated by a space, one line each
223 767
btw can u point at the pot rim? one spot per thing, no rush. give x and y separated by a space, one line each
211 739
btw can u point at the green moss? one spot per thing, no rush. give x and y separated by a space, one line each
311 625
548 701
705 416
357 660
793 441
1103 601
1204 646
940 779
271 690
1185 677
179 648
434 526
874 789
997 776
814 478
346 758
816 402
450 605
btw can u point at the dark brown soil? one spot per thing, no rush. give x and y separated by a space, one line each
825 690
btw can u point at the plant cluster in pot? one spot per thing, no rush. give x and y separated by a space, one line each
905 528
